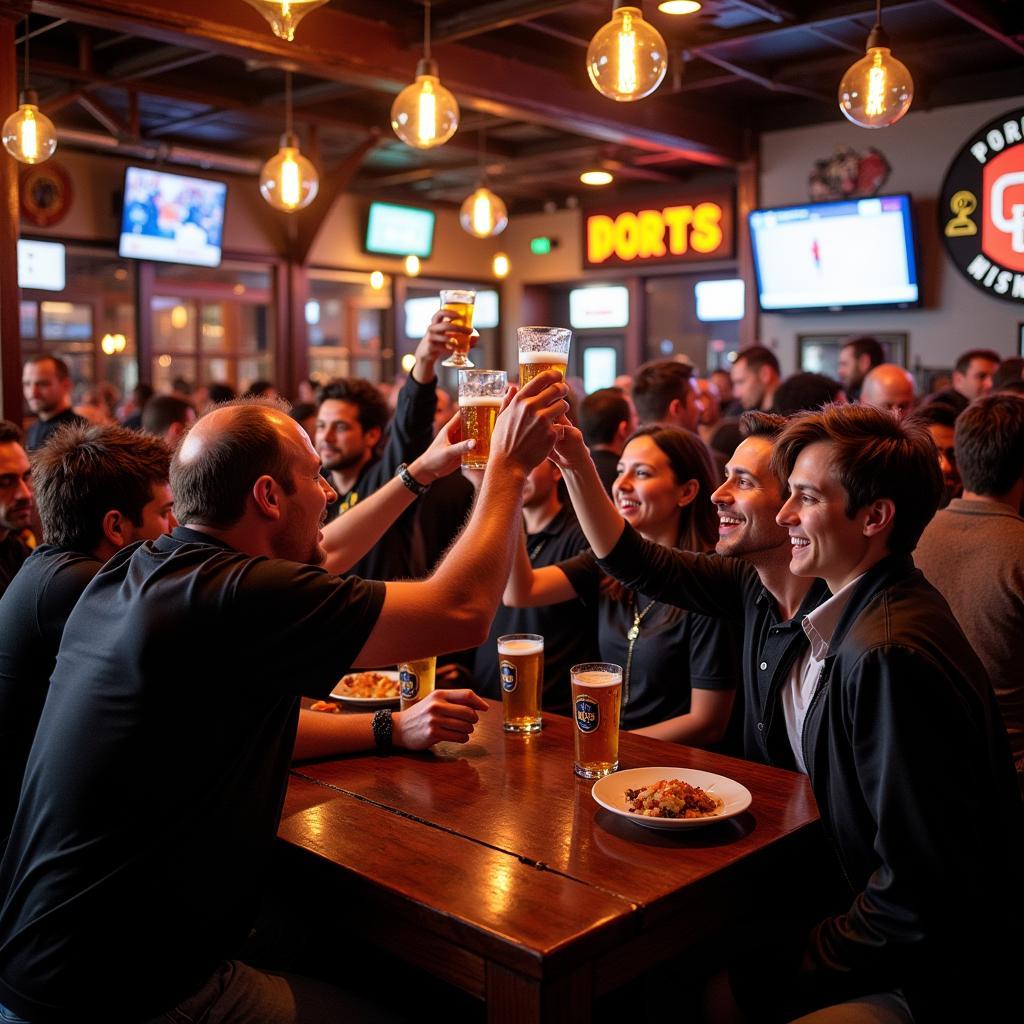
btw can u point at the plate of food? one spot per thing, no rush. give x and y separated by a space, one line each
671 798
368 690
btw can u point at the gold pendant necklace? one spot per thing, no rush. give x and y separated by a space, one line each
631 636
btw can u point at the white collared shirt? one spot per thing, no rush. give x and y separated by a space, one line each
802 682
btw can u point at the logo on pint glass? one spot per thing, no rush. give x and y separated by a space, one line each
408 684
588 713
508 676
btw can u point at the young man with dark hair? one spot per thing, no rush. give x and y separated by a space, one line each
666 392
1011 371
857 358
973 551
46 383
973 373
16 504
755 377
606 420
168 417
800 392
939 419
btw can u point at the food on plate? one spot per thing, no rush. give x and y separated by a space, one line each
327 706
368 685
671 798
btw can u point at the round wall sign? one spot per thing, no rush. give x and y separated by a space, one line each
45 194
981 208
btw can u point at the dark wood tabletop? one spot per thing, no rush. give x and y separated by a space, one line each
540 898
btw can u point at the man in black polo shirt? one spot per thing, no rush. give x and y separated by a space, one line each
97 489
154 786
46 383
16 504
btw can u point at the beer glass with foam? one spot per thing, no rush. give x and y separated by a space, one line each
521 669
416 680
460 304
481 393
542 348
596 700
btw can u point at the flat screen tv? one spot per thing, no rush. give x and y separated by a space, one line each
399 230
172 218
850 254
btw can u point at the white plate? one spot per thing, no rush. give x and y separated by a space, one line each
610 793
367 703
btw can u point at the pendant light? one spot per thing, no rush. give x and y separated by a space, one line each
876 91
425 113
483 214
500 265
288 181
627 58
284 15
28 134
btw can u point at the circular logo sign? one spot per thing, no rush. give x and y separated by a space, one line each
45 193
981 208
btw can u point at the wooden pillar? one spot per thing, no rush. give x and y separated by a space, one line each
747 199
10 329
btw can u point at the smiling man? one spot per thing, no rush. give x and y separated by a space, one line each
16 503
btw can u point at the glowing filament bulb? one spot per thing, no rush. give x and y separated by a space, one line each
875 104
627 55
29 137
483 222
426 130
291 183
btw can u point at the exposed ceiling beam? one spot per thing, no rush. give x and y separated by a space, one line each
487 17
102 113
156 62
771 84
982 17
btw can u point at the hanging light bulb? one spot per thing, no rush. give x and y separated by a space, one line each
412 265
627 58
376 280
28 134
284 15
500 265
425 114
483 214
878 90
288 181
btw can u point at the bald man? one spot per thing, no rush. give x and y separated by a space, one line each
154 786
889 387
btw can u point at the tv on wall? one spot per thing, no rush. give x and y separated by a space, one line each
399 230
850 254
172 218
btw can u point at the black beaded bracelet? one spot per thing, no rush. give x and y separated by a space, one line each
410 481
382 731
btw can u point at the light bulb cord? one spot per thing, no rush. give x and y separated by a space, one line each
426 29
288 103
28 33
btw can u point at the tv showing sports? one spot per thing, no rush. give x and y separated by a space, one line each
172 218
399 230
850 254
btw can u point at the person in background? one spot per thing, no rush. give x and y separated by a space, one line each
889 387
131 411
939 419
168 417
17 506
606 419
973 551
1011 371
723 382
304 413
802 391
46 383
666 392
857 358
218 393
755 376
260 389
973 373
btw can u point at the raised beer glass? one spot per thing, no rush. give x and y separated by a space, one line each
521 670
596 698
416 680
542 348
481 393
459 303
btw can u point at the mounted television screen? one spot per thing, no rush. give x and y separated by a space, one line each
399 230
851 254
172 218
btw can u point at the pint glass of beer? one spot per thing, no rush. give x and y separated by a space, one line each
542 348
416 680
459 303
521 669
596 697
481 393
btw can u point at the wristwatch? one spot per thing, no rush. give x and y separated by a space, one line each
382 731
410 481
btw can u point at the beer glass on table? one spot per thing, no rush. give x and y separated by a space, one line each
521 669
481 393
542 348
596 699
416 680
460 304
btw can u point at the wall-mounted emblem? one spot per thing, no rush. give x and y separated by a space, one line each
848 174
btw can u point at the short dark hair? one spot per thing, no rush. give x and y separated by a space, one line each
1010 370
874 456
83 472
756 356
161 411
371 409
60 368
656 385
939 414
10 433
212 488
258 388
221 393
755 423
142 393
990 443
866 345
947 396
601 413
302 411
963 364
802 391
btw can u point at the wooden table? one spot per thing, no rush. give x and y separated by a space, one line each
491 866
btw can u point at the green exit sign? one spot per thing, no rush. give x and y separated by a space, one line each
541 246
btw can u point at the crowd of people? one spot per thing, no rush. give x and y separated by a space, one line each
821 575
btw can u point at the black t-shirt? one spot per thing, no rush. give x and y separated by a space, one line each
40 432
675 651
13 552
154 787
32 616
569 628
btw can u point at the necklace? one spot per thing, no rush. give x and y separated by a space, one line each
631 636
